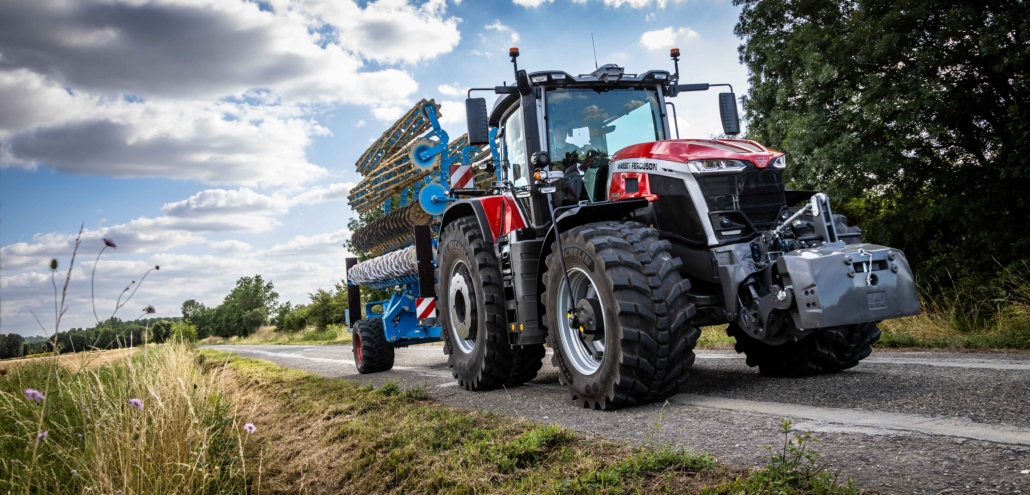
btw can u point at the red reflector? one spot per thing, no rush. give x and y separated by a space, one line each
629 185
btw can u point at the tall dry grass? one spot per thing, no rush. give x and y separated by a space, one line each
185 438
965 318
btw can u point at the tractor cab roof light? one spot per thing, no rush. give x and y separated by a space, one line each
540 78
715 166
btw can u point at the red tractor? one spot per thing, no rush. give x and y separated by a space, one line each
613 243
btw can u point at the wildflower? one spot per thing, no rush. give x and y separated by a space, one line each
53 264
33 394
138 404
109 243
42 436
149 310
74 472
249 428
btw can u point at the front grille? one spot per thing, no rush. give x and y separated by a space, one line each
675 210
758 194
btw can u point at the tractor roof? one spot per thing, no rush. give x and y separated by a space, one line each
608 75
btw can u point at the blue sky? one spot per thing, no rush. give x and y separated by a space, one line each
217 138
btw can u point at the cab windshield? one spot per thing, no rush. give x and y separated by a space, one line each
586 123
585 126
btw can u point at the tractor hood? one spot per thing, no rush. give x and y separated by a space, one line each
685 150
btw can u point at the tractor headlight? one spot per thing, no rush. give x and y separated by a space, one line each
709 166
779 162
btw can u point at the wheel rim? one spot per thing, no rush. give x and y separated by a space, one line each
357 347
462 307
584 356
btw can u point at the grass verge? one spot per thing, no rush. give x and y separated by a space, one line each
334 436
150 423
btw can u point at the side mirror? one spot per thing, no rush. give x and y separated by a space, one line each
522 82
478 125
728 112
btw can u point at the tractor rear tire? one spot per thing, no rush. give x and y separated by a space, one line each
648 340
472 301
372 353
828 350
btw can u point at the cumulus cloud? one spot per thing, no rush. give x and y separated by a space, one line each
452 90
231 246
531 3
322 194
223 202
322 244
513 35
223 92
667 38
637 4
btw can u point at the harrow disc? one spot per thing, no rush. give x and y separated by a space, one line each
418 148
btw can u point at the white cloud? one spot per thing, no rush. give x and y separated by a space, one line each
513 35
390 30
667 38
231 246
323 244
93 87
453 117
531 3
321 194
222 202
452 90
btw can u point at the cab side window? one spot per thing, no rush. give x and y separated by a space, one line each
516 164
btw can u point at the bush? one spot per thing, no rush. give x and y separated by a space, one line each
183 331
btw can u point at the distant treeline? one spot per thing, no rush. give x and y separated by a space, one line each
254 302
248 306
110 334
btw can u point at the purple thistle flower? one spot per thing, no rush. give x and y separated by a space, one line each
33 394
138 404
42 436
109 243
149 310
249 428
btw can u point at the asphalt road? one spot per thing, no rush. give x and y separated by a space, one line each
897 423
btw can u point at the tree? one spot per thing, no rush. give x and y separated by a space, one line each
160 331
913 115
245 308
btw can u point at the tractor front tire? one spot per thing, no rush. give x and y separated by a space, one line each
827 350
472 313
646 344
372 353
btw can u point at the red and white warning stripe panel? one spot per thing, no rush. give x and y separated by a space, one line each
462 177
425 307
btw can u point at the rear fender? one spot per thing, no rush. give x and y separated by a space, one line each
574 217
495 215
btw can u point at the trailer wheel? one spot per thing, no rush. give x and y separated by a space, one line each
372 353
828 350
635 341
472 308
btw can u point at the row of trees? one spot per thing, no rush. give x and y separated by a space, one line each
914 115
327 307
112 333
248 306
11 346
254 302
